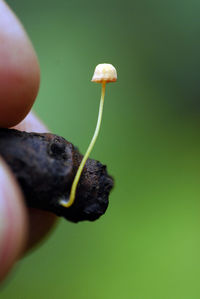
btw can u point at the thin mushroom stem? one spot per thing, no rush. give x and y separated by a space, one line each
91 145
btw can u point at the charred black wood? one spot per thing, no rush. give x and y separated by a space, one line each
45 166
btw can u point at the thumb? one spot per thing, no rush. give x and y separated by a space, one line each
13 223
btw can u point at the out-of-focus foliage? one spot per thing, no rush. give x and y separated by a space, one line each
147 246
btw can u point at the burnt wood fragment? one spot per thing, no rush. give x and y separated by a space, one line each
45 166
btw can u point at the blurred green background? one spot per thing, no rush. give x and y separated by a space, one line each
147 246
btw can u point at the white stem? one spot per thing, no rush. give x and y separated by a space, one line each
91 145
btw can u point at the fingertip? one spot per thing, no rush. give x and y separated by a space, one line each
13 222
19 69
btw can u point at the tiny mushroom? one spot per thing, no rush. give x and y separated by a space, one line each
104 73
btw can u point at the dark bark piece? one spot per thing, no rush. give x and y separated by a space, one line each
45 166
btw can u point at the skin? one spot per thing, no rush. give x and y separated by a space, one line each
20 228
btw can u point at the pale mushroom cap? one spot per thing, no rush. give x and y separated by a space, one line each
104 72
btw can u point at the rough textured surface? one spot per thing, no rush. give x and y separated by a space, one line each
45 165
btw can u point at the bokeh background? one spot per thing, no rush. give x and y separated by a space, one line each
147 246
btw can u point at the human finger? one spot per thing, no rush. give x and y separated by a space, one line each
13 221
19 69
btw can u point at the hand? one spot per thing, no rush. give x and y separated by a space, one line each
20 228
